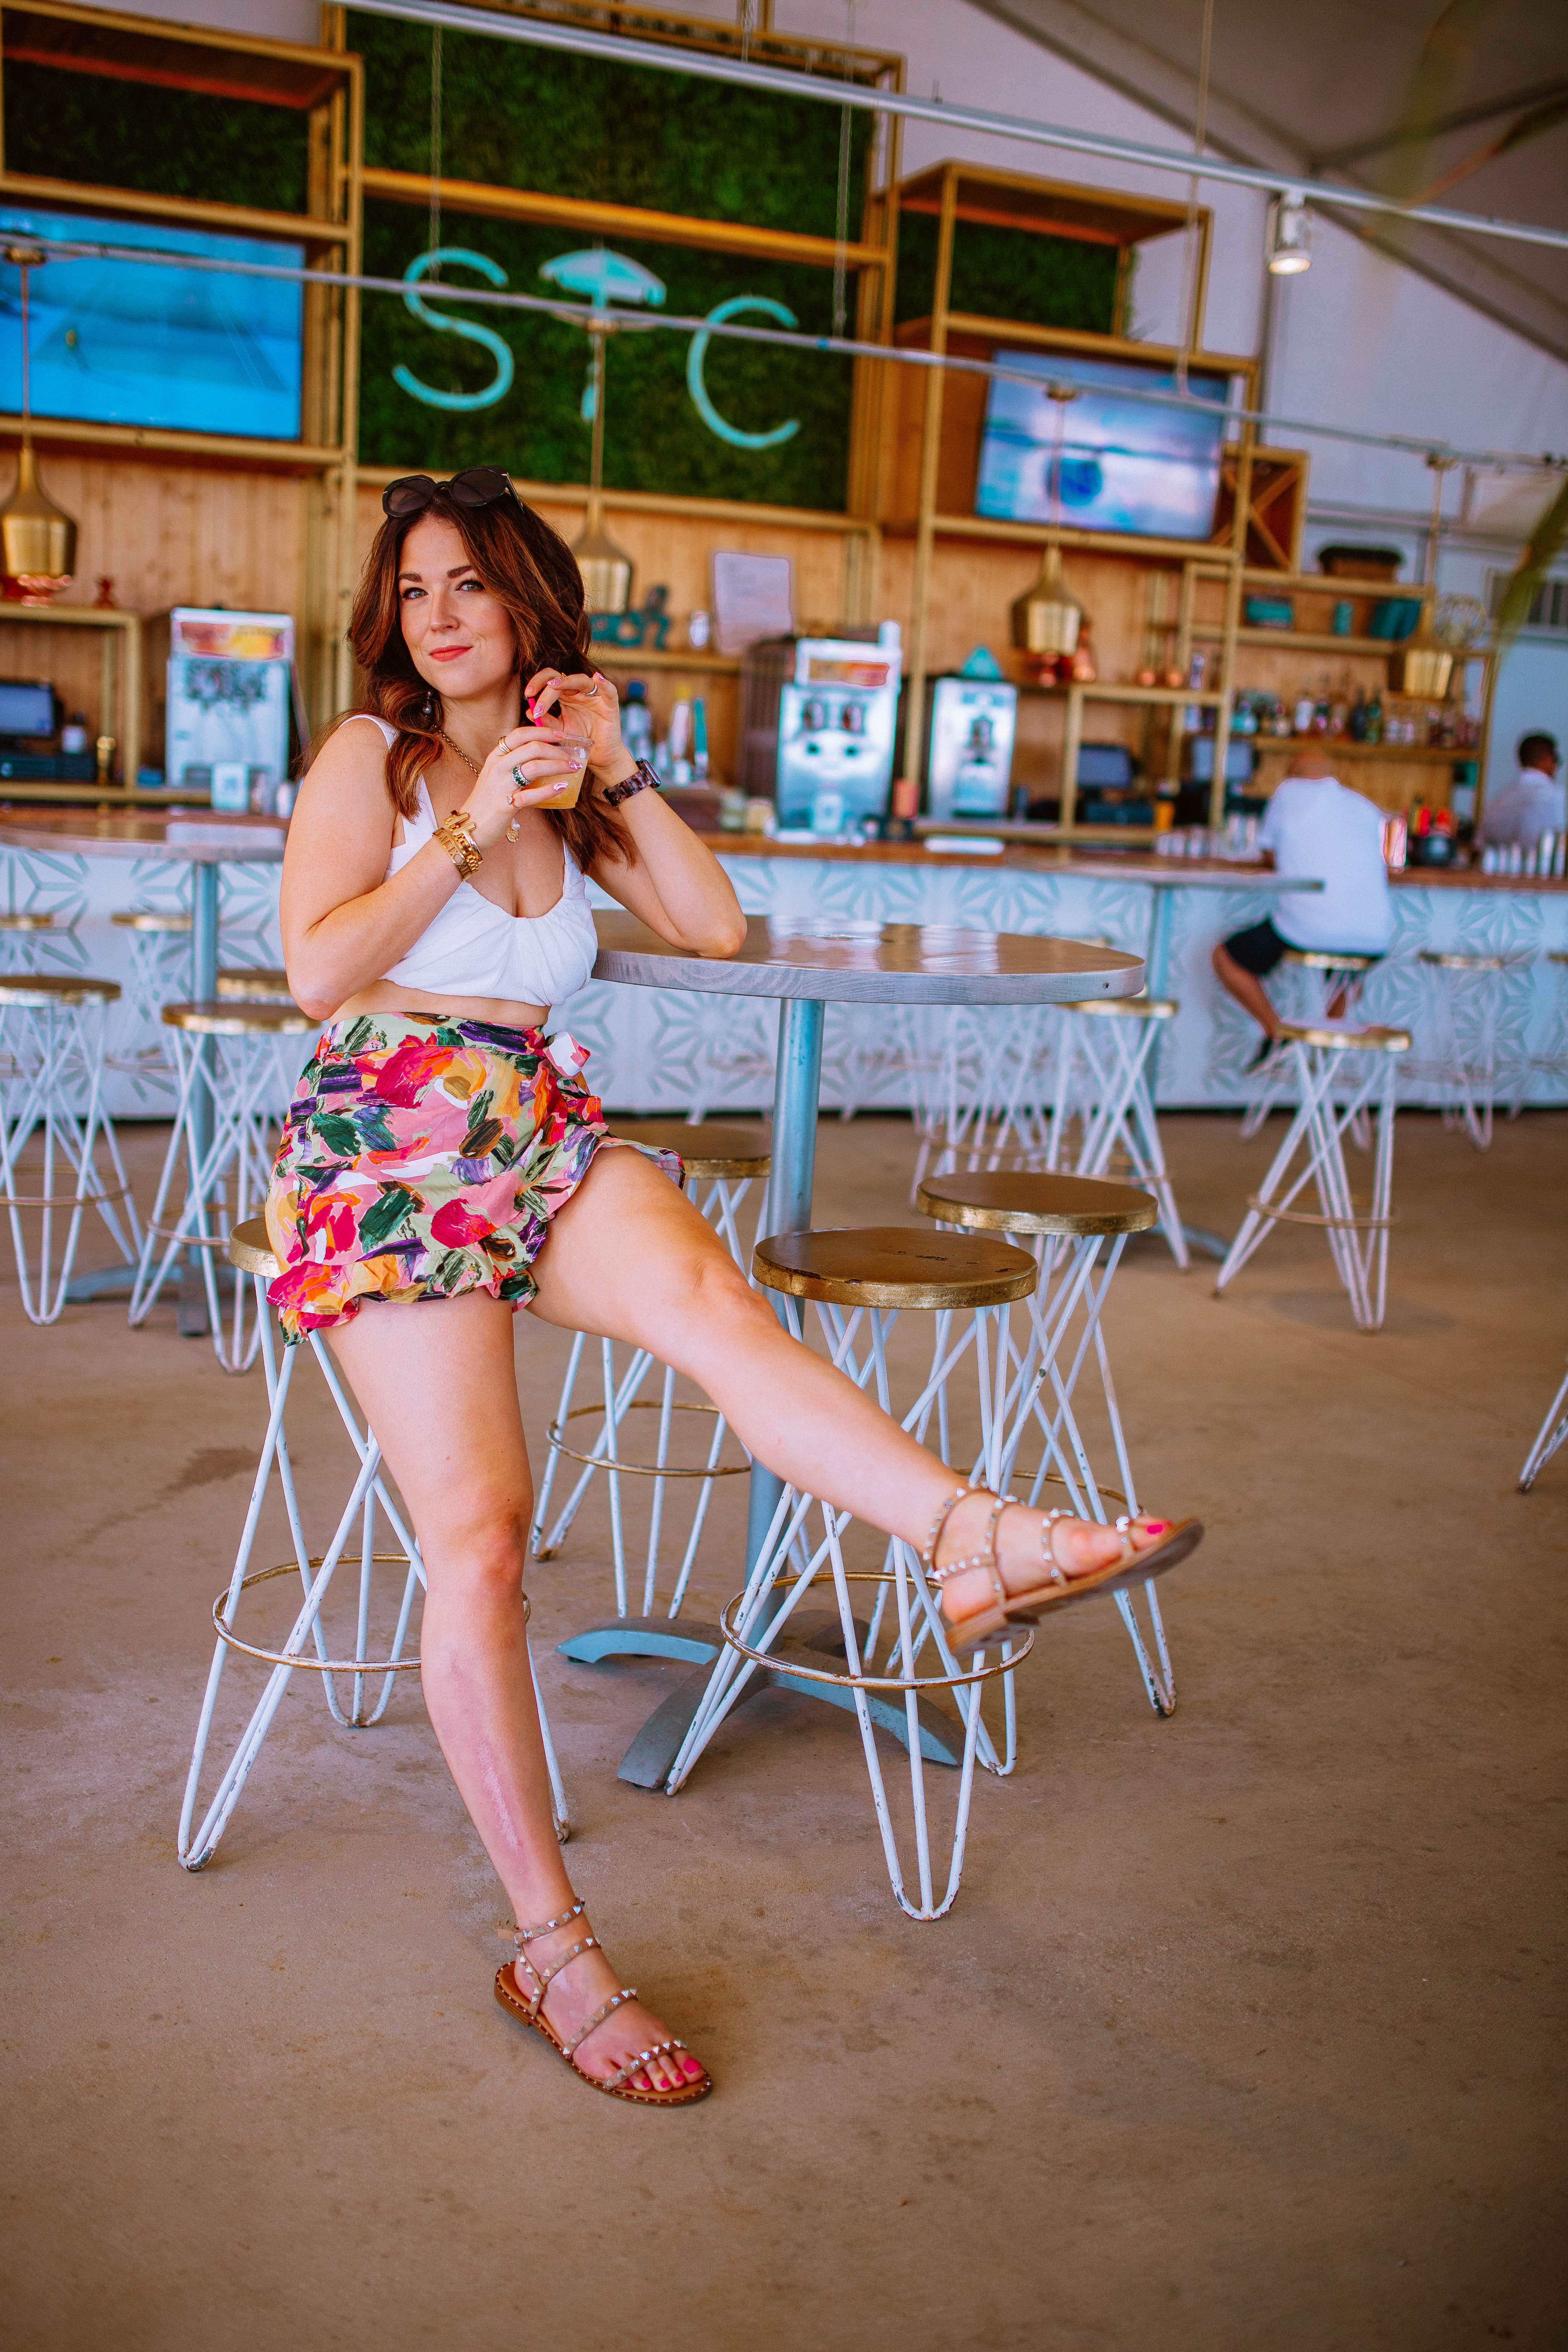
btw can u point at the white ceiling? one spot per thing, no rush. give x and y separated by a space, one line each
1335 90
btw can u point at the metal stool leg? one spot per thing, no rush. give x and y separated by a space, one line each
1552 1432
51 1089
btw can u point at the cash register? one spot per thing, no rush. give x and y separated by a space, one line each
29 737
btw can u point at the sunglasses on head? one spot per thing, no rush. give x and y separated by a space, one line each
476 485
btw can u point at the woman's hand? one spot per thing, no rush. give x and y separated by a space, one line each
528 769
585 701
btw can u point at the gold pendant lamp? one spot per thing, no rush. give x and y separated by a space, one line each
37 539
606 569
1048 617
1425 664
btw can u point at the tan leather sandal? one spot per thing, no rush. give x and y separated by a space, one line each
1134 1567
529 2011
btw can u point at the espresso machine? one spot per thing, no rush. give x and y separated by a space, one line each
970 761
819 727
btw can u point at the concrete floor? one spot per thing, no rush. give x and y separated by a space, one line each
1236 2037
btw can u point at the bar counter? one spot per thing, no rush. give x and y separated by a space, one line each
657 1051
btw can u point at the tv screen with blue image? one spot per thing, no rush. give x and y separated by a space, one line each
1101 461
128 342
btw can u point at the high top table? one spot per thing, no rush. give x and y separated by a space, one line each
205 840
804 962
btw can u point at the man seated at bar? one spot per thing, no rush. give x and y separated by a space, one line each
1314 826
1531 802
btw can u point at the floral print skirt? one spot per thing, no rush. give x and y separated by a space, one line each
421 1158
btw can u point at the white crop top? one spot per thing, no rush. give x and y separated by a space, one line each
474 948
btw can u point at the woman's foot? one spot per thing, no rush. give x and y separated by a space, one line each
1027 1547
584 1987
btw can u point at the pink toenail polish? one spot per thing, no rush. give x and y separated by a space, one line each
1156 1526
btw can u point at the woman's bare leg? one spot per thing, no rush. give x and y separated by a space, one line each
629 1257
437 1382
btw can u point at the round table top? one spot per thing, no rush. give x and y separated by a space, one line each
826 957
200 837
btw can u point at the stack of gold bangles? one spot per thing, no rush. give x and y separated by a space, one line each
456 836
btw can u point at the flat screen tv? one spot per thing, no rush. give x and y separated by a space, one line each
128 343
1118 464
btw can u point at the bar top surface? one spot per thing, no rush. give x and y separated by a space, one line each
202 836
872 964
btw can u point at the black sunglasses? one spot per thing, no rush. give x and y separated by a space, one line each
476 485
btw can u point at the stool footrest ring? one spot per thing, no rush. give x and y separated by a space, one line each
318 1665
62 1200
1020 1640
641 1469
1312 1217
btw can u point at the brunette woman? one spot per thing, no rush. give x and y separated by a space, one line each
436 1157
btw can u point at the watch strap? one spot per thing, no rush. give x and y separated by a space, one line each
641 779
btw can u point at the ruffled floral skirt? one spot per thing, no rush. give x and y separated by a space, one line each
421 1158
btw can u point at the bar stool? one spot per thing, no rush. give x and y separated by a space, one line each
1066 1221
52 1086
867 1279
306 1645
1464 998
1554 1061
1102 1080
980 1085
1318 978
229 1058
1553 1430
20 936
1339 1076
255 984
722 1164
159 945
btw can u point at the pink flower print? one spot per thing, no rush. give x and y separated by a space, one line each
455 1225
404 1075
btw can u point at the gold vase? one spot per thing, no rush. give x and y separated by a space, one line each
1424 663
1048 617
37 539
606 572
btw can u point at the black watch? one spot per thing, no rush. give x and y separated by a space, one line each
641 779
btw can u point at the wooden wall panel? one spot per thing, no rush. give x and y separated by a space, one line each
164 535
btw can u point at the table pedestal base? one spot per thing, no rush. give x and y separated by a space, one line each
643 1637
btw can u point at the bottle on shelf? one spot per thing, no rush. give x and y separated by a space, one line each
1321 711
1355 723
1374 717
637 721
1302 715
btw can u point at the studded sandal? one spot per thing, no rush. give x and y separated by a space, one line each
1133 1567
531 2011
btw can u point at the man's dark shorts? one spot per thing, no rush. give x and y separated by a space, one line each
1259 948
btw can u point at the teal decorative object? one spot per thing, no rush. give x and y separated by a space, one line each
698 354
981 663
648 627
604 277
500 382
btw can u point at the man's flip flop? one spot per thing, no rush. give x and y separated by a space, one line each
1133 1567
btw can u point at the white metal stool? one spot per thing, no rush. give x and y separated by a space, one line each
20 935
1463 995
160 954
227 1055
979 1082
1076 1228
1102 1079
1551 1434
51 1089
866 1279
1317 978
253 984
305 1644
1342 1075
721 1163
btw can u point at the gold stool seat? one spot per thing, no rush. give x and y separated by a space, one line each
354 1541
39 991
1127 1008
1443 961
892 1267
1327 960
1331 1040
259 985
240 1017
153 922
26 919
706 1148
1010 1202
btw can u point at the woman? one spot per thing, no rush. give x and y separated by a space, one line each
434 907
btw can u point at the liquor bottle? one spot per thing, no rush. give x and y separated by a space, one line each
1356 723
1321 710
1374 717
1303 715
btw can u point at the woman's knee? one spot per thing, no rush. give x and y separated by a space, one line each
480 1547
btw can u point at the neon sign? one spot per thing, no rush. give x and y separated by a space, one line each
604 276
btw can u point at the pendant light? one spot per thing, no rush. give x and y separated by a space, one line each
1289 248
1425 664
606 569
37 539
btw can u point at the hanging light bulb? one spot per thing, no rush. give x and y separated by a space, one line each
1290 244
606 569
37 539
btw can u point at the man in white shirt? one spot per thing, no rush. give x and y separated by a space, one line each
1313 827
1529 804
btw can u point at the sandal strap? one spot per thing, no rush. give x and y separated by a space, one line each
933 1534
986 1557
545 1977
633 2065
1054 1572
526 1934
605 2008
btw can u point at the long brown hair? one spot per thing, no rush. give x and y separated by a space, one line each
530 569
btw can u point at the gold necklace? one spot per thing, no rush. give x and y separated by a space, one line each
471 765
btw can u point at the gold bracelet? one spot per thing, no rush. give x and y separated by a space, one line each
455 835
